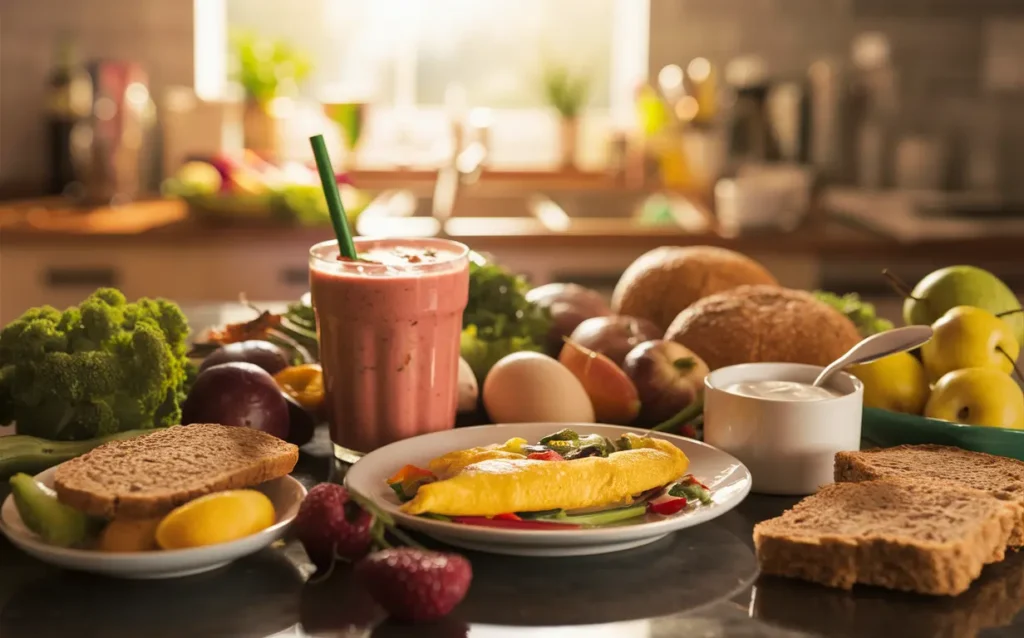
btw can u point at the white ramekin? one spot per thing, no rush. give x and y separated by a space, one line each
788 446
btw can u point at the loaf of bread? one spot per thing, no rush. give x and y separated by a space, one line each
752 324
999 476
664 281
925 537
150 475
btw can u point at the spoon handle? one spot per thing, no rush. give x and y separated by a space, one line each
877 346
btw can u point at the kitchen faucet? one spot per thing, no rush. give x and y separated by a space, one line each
465 169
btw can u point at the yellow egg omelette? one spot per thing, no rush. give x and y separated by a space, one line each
489 481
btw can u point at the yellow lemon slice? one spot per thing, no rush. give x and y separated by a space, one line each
216 518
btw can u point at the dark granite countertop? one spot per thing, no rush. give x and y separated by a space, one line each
698 582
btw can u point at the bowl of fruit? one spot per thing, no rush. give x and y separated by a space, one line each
963 387
248 189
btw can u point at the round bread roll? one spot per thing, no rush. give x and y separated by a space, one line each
753 324
665 281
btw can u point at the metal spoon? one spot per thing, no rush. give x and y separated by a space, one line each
877 346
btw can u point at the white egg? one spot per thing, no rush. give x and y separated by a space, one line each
528 387
468 389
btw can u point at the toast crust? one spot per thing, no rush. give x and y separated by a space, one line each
999 476
150 475
887 548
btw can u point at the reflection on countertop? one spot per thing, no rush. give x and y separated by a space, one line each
992 602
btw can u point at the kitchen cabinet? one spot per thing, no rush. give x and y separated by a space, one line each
189 275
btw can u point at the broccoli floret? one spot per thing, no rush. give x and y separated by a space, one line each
104 367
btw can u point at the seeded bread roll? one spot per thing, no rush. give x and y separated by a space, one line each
927 537
999 476
753 324
664 281
150 475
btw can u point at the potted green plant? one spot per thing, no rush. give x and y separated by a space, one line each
266 69
567 92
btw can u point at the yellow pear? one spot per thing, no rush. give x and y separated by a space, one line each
896 383
969 337
978 396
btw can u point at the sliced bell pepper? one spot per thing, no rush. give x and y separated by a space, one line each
304 383
483 521
410 471
692 489
690 479
408 480
667 507
550 455
514 445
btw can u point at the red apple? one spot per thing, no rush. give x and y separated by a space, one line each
668 378
614 336
569 305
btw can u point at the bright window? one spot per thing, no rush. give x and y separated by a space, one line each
407 57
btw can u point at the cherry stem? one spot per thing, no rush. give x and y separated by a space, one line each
379 535
383 522
335 559
1007 313
1012 361
405 538
898 284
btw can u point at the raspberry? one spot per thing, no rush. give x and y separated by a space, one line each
414 584
330 524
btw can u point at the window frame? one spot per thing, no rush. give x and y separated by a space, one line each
534 126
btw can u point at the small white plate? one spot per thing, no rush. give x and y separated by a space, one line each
286 493
727 478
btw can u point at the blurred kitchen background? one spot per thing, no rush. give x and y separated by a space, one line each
162 146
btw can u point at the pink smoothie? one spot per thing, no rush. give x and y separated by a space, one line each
389 337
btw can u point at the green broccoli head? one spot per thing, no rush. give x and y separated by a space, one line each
106 366
33 334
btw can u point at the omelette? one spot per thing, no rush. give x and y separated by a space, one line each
495 480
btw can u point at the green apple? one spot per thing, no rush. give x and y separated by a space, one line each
977 396
962 286
969 337
896 382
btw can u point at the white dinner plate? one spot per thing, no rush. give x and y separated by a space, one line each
286 493
727 478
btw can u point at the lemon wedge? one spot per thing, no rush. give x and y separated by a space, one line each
216 518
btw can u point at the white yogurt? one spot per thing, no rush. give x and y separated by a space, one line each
781 391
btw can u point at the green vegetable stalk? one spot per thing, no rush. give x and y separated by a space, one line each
681 418
30 454
103 367
57 523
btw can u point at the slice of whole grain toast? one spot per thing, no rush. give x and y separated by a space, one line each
923 537
149 475
998 475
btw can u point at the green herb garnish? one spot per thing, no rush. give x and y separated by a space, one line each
498 320
565 434
861 313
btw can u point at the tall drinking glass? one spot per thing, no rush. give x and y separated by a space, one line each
389 327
